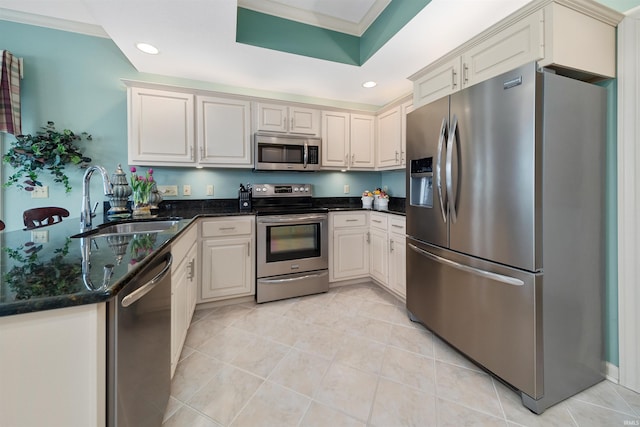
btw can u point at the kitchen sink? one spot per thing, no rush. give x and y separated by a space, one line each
131 227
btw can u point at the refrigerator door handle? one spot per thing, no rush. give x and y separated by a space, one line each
487 274
442 198
449 168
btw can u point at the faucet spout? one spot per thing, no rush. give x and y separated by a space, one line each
85 213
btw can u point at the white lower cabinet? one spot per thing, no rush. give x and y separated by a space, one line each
369 244
379 252
349 243
184 282
397 256
228 262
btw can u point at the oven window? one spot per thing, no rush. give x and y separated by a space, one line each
291 242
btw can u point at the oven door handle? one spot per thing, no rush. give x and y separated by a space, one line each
293 279
289 218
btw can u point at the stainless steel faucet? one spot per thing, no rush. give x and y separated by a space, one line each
86 214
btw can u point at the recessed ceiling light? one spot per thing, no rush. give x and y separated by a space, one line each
369 84
147 48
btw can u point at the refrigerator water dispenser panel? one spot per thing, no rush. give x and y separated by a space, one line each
421 183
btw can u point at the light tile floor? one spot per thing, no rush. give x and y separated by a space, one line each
351 357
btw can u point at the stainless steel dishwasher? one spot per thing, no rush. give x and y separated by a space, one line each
139 347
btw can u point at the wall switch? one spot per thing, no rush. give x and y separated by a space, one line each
40 236
40 192
186 190
168 190
210 190
346 189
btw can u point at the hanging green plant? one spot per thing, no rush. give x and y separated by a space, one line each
49 149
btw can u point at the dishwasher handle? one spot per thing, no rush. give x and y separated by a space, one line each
147 287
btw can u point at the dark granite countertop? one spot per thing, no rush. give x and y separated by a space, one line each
44 270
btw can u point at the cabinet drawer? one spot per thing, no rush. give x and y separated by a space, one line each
355 219
397 224
379 221
227 227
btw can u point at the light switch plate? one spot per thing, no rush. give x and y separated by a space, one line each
40 236
210 190
40 192
186 190
346 189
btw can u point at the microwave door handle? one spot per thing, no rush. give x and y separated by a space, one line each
441 196
306 155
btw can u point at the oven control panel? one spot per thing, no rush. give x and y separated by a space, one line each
282 190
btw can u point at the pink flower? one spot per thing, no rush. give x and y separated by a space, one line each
133 169
150 171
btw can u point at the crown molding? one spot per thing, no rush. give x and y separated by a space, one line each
54 23
317 19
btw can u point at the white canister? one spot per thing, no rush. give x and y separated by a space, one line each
367 202
383 204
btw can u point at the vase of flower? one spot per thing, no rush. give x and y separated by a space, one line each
141 186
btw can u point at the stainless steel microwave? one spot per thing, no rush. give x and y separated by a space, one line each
286 152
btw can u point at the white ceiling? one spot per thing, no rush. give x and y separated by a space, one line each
196 39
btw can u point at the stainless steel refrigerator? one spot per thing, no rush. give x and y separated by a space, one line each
505 229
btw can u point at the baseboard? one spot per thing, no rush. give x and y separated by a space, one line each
611 372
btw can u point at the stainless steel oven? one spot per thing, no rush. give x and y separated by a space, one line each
291 244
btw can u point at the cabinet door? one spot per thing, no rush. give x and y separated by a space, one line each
227 268
161 127
335 139
179 312
350 253
397 265
304 121
362 141
389 139
438 82
520 43
271 117
379 256
407 107
193 281
224 132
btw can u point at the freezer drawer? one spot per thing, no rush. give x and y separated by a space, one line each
487 311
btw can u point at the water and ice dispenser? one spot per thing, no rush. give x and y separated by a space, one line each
421 184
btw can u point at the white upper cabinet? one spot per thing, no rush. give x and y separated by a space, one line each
389 146
161 127
287 119
519 43
348 141
335 139
406 108
176 128
574 37
224 131
362 142
441 80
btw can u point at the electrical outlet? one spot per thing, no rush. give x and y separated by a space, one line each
186 190
40 192
168 190
346 189
210 190
40 236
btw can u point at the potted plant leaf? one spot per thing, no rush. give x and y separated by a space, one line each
48 149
